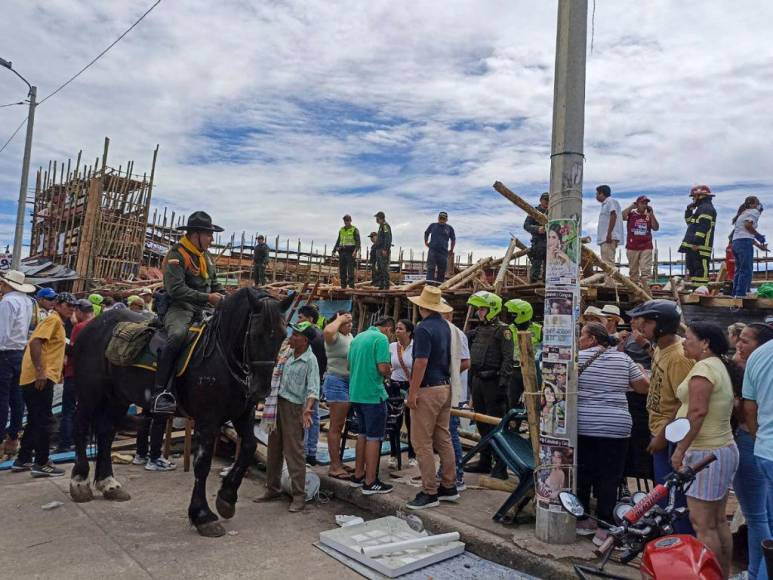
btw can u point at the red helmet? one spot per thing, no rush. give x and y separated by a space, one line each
700 190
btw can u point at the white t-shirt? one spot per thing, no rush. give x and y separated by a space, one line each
607 207
398 374
465 355
748 215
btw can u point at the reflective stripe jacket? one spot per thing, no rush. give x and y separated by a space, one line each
347 238
701 222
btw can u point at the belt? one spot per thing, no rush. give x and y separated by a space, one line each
443 383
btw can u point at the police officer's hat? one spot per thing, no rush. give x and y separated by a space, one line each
200 221
380 215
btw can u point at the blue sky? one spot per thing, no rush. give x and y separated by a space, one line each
280 117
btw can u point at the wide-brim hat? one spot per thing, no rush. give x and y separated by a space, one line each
15 280
200 221
431 299
593 311
612 311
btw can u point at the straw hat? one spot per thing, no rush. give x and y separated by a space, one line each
431 299
612 311
15 280
592 311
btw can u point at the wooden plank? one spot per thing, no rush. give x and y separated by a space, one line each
531 391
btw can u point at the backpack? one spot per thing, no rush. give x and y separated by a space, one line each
127 343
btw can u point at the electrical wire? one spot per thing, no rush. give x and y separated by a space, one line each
101 54
11 104
80 72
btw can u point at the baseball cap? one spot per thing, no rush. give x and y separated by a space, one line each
46 294
442 214
66 298
134 298
642 198
306 329
373 235
380 215
84 305
145 292
545 195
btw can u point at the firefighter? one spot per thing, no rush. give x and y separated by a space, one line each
701 218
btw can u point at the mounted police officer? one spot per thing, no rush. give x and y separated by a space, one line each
382 247
348 246
521 314
491 366
191 285
539 241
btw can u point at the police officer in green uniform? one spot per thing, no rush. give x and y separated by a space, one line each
191 285
373 259
520 314
260 261
539 240
382 247
491 366
348 246
698 242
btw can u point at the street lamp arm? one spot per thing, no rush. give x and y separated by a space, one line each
7 64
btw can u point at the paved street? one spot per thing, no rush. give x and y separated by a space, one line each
149 537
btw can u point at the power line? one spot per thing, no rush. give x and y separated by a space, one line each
101 54
24 122
11 104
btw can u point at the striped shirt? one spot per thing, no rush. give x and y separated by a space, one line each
602 407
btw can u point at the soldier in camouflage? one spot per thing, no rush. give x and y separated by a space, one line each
191 285
382 248
491 366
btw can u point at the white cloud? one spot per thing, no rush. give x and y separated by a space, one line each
266 112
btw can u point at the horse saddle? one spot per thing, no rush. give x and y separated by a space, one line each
149 342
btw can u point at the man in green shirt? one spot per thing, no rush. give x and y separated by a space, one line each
369 366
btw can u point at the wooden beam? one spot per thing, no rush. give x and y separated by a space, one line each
531 391
500 279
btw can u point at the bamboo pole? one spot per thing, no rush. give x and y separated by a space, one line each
530 388
477 417
466 273
500 279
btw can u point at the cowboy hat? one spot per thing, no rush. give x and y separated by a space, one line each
612 311
431 299
200 221
15 280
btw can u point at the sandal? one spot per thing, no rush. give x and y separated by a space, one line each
340 476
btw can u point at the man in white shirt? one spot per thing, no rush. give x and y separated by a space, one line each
15 322
610 228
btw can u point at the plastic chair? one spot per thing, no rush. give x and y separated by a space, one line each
516 452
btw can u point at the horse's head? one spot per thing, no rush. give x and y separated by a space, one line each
266 332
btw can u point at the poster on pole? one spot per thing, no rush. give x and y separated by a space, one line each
553 400
563 253
558 330
554 474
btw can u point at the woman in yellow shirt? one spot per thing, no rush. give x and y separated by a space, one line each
706 395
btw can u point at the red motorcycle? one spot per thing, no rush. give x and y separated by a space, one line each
642 525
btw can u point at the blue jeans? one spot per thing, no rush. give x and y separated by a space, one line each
311 435
756 501
743 251
662 464
68 412
453 427
765 467
10 393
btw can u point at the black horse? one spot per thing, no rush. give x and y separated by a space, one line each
229 370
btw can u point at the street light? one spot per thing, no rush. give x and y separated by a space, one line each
25 171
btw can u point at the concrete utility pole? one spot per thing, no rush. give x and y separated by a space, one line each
566 168
25 170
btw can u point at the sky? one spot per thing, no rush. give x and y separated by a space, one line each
280 116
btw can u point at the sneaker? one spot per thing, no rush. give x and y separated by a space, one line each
376 487
460 485
586 527
357 481
311 460
413 462
19 465
139 459
447 493
47 470
160 464
392 463
422 501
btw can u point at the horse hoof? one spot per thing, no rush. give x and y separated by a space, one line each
211 530
80 491
225 509
116 494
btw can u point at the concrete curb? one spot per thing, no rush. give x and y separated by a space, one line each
479 542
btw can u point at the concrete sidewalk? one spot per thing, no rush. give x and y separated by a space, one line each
514 546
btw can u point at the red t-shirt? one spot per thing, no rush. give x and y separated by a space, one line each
639 231
69 364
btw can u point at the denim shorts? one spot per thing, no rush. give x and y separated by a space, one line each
371 419
336 389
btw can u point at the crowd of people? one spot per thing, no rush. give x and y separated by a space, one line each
38 330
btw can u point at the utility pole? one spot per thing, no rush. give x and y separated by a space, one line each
558 434
25 172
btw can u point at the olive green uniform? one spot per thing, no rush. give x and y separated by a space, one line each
188 291
382 249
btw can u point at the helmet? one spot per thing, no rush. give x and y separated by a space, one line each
96 299
700 190
666 314
484 299
66 298
521 310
